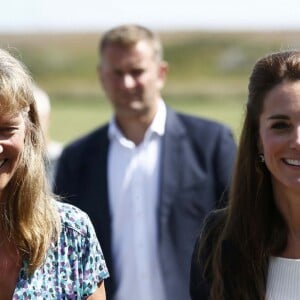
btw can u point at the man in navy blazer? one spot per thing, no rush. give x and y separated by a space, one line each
149 177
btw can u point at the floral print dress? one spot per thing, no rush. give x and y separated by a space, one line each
73 266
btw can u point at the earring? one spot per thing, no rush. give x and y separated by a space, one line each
261 158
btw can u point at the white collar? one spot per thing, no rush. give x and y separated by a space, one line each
157 125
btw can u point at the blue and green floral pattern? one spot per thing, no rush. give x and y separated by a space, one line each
73 266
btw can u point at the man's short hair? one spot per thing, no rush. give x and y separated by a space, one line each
128 35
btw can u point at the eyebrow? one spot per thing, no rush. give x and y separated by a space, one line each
276 117
11 121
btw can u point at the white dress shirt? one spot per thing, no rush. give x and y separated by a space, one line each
133 183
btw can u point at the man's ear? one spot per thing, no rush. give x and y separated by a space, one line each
163 71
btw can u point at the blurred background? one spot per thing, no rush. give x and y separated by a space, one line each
211 47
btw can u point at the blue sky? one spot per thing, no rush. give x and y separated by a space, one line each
93 15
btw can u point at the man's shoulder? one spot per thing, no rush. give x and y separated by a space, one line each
200 124
73 218
88 139
85 146
198 120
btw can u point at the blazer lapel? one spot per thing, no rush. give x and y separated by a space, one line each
171 162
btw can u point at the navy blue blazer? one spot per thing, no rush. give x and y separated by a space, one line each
197 162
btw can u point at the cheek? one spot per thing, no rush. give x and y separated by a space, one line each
18 149
272 145
106 83
150 84
108 80
18 143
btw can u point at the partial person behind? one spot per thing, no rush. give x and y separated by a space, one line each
54 148
149 177
48 249
251 249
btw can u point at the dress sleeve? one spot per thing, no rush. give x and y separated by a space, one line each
94 268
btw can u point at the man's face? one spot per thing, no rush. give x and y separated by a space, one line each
132 79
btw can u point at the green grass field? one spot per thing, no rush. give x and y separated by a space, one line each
71 119
208 74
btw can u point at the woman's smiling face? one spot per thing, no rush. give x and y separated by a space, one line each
12 136
279 131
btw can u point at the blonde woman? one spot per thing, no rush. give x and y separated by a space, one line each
48 250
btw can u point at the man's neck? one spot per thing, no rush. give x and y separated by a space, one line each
134 129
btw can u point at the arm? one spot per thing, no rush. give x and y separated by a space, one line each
201 273
199 287
99 294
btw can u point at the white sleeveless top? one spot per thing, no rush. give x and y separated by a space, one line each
283 281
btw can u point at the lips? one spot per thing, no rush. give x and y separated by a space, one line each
292 162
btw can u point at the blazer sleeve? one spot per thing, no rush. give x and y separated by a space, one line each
201 278
225 153
65 181
199 287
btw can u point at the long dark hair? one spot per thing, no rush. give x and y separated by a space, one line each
252 225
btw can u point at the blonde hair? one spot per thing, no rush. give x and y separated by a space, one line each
42 101
28 216
130 34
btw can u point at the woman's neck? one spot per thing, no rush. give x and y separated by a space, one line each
288 203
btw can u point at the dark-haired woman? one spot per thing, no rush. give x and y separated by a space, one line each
251 249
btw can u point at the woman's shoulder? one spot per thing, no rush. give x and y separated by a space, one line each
73 218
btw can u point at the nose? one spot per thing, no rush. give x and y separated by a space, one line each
128 81
1 148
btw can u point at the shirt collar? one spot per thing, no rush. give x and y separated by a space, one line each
157 125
